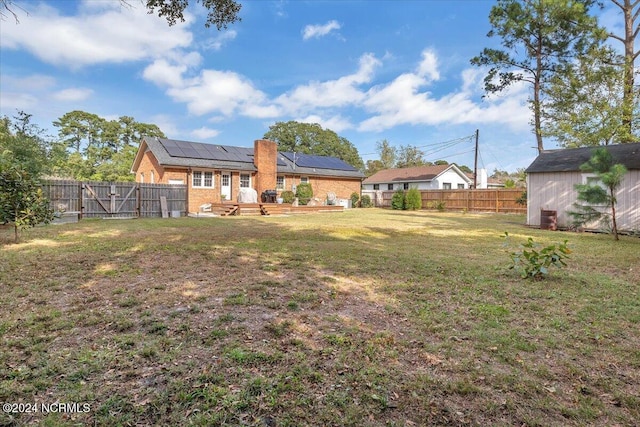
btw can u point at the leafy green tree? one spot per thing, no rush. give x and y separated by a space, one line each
610 175
387 154
79 129
311 138
585 104
465 169
91 147
409 156
21 199
220 13
537 36
26 143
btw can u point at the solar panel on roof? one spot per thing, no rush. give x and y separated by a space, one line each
318 162
196 150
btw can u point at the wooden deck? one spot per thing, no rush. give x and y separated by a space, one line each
257 209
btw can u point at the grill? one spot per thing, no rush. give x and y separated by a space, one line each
269 196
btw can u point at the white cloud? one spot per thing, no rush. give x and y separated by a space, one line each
24 93
220 40
100 32
405 100
311 31
335 123
72 94
428 67
166 123
162 73
205 133
222 92
332 93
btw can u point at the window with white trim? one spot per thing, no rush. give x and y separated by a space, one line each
245 180
304 180
280 182
405 186
202 179
142 177
376 186
208 179
153 178
389 186
460 186
446 186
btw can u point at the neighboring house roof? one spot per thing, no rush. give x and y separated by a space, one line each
412 174
570 159
171 152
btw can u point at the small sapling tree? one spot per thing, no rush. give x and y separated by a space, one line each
21 199
533 261
413 199
601 192
398 200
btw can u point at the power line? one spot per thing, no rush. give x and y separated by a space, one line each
444 144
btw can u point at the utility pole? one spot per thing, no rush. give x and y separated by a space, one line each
475 163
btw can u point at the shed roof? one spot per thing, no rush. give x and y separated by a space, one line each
412 174
570 159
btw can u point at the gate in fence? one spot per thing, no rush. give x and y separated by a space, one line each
94 199
113 200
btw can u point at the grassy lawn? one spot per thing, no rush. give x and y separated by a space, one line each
362 318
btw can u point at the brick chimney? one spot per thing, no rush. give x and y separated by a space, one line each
265 158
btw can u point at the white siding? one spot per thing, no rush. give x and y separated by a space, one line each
449 176
555 191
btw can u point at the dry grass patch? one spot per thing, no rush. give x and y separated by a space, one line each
368 317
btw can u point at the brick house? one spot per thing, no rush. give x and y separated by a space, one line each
216 173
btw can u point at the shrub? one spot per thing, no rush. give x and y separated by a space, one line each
365 202
413 199
522 200
534 261
439 205
304 193
398 200
287 196
355 197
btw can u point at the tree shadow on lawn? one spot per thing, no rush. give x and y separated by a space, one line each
242 322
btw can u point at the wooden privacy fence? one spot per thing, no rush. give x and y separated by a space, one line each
502 200
94 199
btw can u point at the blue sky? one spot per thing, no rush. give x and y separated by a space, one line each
369 70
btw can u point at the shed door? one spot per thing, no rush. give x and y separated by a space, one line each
225 186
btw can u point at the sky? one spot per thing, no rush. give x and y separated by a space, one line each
368 70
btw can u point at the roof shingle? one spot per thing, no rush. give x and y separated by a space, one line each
570 159
412 174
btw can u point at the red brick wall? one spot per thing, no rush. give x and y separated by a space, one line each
342 187
265 158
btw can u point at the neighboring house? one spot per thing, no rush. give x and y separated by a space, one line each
215 173
552 177
437 177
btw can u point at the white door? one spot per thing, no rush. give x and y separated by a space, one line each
225 186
